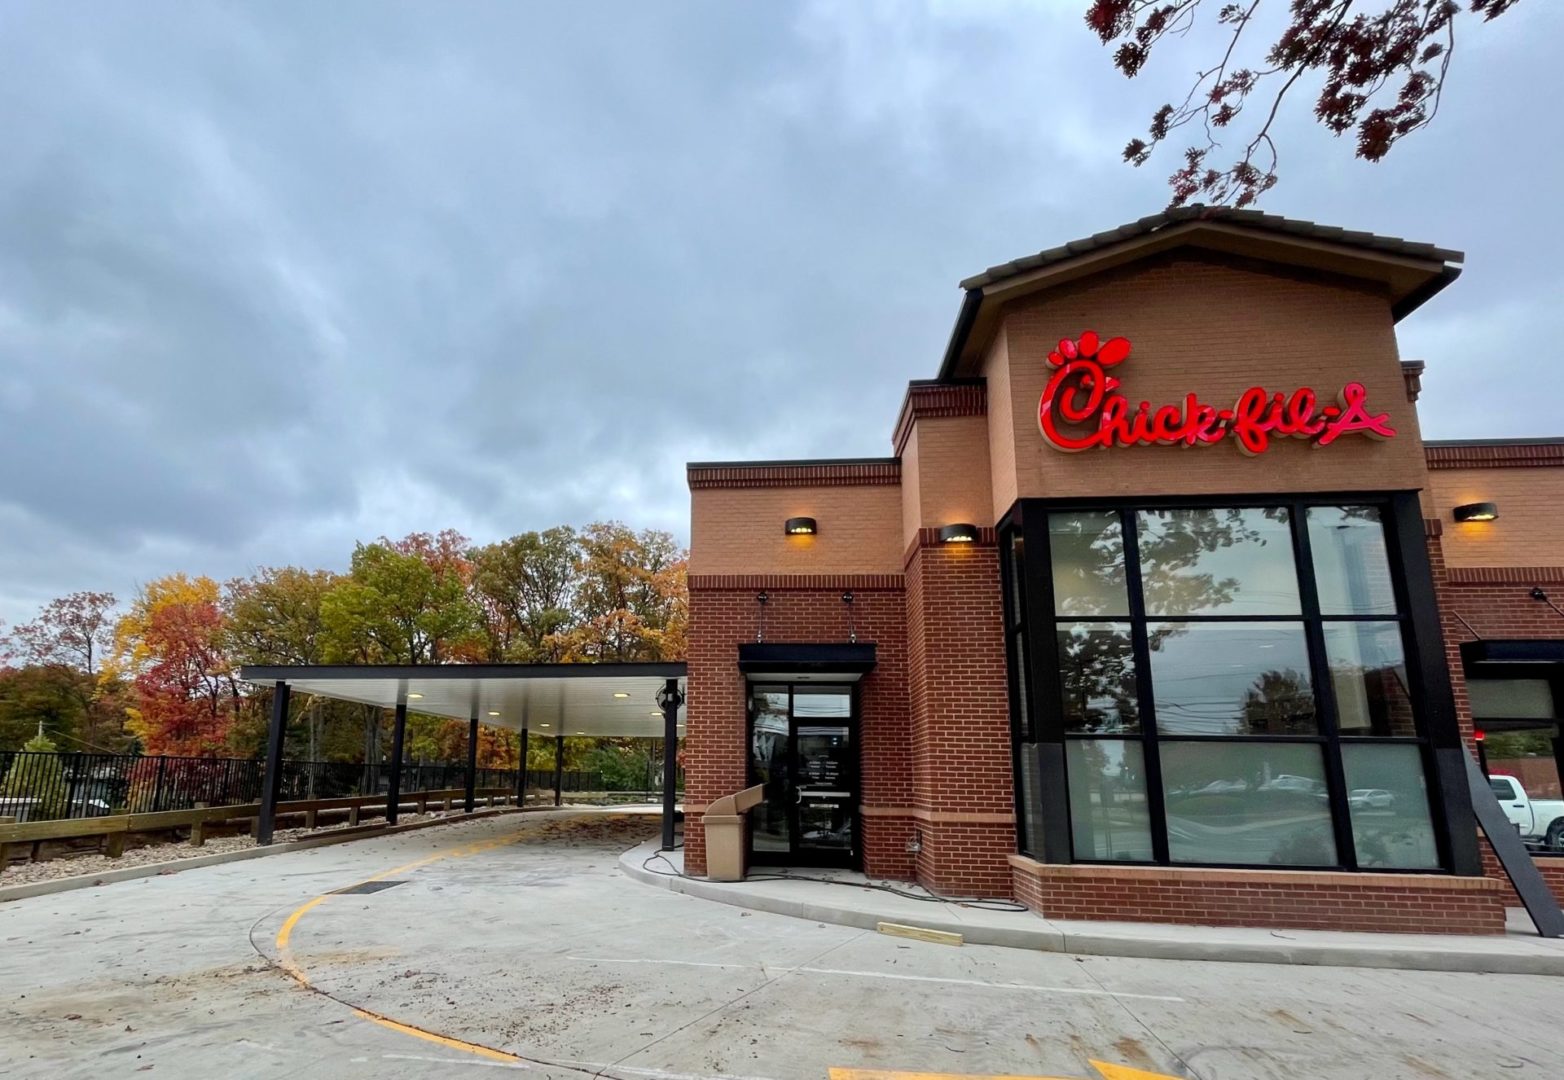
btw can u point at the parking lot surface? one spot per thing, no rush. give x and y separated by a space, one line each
515 943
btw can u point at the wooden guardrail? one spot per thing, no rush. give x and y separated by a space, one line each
113 830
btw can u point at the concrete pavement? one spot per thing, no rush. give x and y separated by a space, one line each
517 943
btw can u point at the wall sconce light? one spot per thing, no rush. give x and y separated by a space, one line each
1483 511
960 533
800 526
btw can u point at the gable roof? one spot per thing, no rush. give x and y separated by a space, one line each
1412 272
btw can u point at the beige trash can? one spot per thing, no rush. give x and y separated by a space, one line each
727 838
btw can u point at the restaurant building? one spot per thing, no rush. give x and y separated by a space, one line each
1161 608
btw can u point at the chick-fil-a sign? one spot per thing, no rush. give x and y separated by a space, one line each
1081 409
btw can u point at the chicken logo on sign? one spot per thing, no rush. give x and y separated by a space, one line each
1081 409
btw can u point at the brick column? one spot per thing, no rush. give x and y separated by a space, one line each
960 730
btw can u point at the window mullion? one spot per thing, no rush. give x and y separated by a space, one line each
1152 759
1324 688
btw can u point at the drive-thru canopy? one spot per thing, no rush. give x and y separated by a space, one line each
611 700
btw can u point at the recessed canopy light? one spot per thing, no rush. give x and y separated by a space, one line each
580 733
542 725
492 712
654 712
415 697
620 693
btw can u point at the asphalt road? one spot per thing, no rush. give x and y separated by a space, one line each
515 943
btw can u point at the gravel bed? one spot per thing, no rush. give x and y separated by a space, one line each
75 865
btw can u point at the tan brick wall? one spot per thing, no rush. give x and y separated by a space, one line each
945 474
1001 427
911 475
1530 528
1213 329
739 530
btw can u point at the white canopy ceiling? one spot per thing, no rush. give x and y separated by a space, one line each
618 700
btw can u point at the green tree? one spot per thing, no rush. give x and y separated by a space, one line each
524 587
274 617
34 695
403 602
42 782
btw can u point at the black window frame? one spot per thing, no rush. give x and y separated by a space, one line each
1044 831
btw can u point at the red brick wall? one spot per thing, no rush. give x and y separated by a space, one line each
1303 900
1551 867
1498 607
960 712
716 757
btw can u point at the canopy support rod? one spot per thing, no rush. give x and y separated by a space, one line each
398 735
669 699
521 772
272 778
559 769
472 759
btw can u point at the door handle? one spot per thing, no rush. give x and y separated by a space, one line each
1519 805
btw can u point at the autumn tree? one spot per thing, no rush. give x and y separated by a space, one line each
63 649
1381 65
171 644
524 588
274 617
632 601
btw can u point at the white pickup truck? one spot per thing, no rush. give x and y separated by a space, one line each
1540 821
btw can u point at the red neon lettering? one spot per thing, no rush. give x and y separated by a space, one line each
1081 409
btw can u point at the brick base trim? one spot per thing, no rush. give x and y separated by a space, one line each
1292 899
1551 867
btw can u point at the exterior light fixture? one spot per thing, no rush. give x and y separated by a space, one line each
800 526
494 712
620 694
1479 735
580 733
542 725
1483 511
962 532
415 697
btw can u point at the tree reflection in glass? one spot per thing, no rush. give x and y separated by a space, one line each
1217 561
1097 676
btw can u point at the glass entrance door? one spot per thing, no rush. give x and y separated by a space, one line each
804 752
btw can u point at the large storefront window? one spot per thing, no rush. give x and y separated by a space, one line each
1228 686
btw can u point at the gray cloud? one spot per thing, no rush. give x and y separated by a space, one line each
278 277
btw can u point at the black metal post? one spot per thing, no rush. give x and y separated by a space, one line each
271 779
394 787
472 759
559 769
157 784
670 698
521 772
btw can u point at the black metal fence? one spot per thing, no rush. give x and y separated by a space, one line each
39 787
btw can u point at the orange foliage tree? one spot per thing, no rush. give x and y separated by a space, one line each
170 644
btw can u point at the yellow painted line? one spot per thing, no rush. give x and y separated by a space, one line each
442 1040
292 969
1106 1070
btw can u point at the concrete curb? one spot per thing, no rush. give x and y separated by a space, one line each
1142 940
173 866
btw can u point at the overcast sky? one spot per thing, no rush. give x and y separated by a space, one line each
276 277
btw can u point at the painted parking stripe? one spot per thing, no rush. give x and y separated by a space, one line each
979 983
